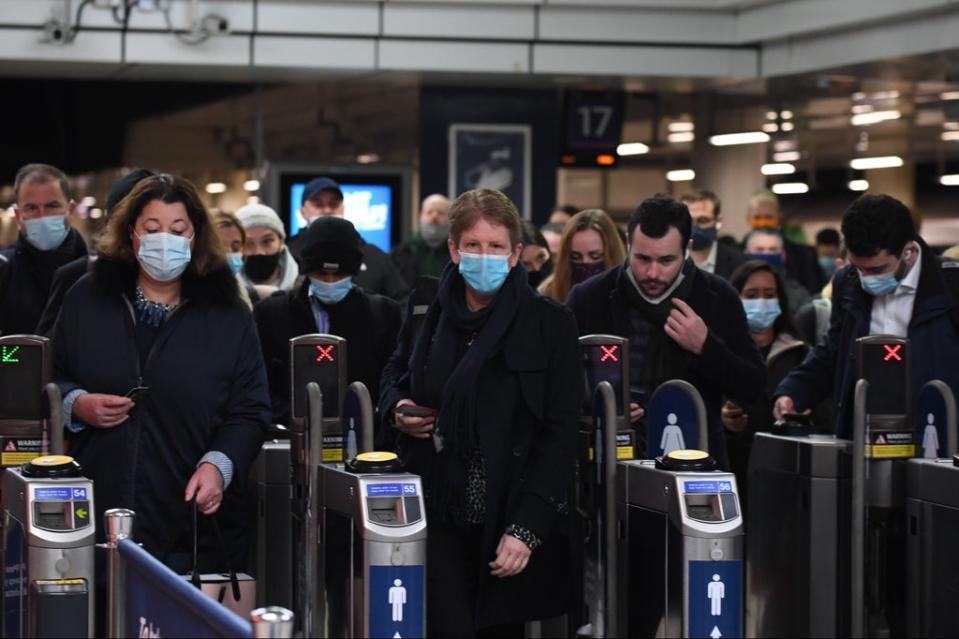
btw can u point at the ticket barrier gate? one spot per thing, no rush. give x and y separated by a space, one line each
349 421
364 558
29 427
48 550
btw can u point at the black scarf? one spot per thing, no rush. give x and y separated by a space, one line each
448 355
664 359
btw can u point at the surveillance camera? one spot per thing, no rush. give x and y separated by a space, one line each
54 32
215 24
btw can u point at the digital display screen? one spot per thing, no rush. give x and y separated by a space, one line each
316 363
604 363
707 487
885 366
368 206
390 490
21 382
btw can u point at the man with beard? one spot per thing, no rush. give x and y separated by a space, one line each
425 254
681 322
43 203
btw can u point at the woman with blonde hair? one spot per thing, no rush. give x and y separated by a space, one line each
589 246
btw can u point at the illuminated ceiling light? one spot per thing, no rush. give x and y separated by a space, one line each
952 126
949 180
858 95
862 108
681 137
777 169
949 136
881 162
786 115
747 137
787 156
858 185
681 175
367 158
949 95
88 201
790 188
215 187
788 126
632 148
681 127
251 185
96 214
770 115
874 117
770 127
885 95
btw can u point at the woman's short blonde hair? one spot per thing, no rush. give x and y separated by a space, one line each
489 204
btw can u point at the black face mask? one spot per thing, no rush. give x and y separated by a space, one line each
535 278
582 272
259 268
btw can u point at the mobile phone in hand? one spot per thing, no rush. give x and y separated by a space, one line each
136 393
414 411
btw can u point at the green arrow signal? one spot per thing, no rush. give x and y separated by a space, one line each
7 356
81 513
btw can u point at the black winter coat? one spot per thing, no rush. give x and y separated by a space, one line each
528 413
26 275
730 363
65 277
207 392
369 323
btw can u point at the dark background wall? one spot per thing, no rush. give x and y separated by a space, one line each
440 107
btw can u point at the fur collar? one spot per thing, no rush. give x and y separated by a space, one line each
217 287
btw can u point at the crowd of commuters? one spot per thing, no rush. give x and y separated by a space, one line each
170 337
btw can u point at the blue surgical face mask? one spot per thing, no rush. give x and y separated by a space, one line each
164 256
828 265
46 233
235 260
773 259
331 292
878 285
484 274
704 238
761 313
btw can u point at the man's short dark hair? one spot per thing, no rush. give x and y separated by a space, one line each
703 195
827 237
877 222
43 173
654 216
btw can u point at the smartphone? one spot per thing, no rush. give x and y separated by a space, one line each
414 411
136 393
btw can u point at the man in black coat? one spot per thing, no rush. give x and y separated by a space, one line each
327 302
707 252
322 197
682 323
425 254
68 274
45 243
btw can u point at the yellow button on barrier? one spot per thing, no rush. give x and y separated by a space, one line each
53 460
376 456
688 455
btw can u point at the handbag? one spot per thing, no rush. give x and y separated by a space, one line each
235 591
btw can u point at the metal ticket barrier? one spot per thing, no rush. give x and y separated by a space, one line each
278 482
932 517
797 550
48 550
680 568
364 565
30 415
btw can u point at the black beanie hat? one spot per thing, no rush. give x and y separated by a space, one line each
122 187
331 242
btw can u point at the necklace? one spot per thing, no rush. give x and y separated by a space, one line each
150 312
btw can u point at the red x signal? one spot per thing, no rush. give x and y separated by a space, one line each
609 352
892 352
326 352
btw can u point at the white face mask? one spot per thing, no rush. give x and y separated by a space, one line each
164 256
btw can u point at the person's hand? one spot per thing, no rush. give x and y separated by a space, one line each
206 486
686 328
418 427
512 555
636 412
784 404
102 411
734 418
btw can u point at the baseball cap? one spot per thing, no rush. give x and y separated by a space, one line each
317 185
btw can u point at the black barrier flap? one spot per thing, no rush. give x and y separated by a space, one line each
605 359
321 359
23 375
883 360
